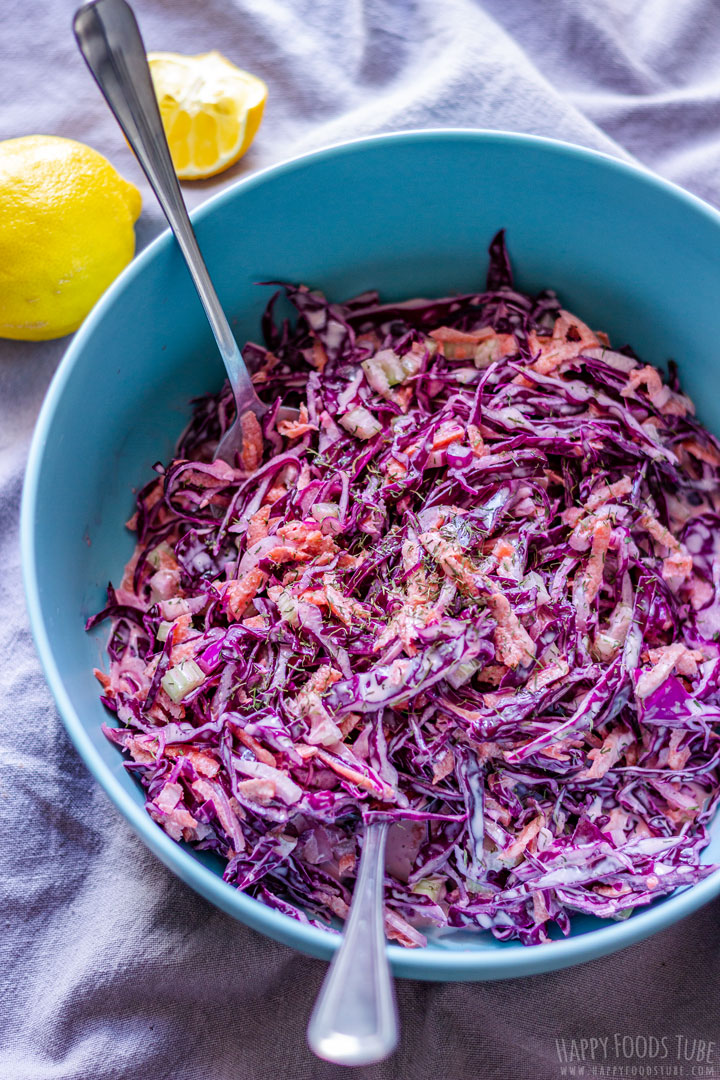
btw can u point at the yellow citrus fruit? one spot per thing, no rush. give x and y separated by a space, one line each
211 110
66 231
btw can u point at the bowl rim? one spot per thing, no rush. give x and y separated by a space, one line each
428 963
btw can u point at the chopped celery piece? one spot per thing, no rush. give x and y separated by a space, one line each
361 422
475 886
322 510
386 369
154 557
182 679
288 608
486 352
429 886
392 365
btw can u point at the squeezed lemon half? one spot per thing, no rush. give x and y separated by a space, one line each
211 110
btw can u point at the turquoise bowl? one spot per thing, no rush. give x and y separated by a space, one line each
410 214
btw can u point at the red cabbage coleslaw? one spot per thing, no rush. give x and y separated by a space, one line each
474 590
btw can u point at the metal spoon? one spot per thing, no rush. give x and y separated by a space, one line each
354 1021
109 39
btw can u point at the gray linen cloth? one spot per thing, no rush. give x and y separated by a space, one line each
109 966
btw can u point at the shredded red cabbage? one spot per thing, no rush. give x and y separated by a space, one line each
474 590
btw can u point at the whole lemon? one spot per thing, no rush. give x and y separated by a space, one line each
66 231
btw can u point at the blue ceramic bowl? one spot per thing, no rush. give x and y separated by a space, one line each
409 214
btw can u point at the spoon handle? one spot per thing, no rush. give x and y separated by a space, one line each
109 39
354 1021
